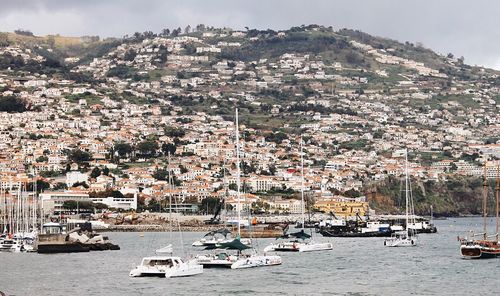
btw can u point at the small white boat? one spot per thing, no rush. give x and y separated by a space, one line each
401 239
256 261
166 266
298 246
218 259
11 245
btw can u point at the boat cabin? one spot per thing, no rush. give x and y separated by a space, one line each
52 228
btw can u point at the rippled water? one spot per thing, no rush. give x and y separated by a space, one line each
360 266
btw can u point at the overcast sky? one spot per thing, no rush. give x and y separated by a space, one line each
469 28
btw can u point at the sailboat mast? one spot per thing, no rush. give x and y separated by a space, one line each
497 193
406 190
171 189
238 171
302 183
485 197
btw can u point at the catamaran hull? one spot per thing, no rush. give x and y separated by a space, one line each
176 271
316 247
184 270
256 261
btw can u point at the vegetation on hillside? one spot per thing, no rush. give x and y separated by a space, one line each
458 195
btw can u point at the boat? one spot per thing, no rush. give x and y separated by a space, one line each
222 235
360 227
301 242
220 258
54 239
238 260
166 266
163 265
488 246
9 244
19 219
408 237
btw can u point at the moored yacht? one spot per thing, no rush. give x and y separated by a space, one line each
166 266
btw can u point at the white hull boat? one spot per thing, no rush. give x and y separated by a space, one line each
212 242
256 261
221 259
11 245
400 241
314 246
166 266
296 246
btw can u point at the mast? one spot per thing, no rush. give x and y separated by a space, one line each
497 193
406 191
170 185
485 197
238 172
302 183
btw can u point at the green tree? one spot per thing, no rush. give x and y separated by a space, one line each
79 156
123 149
147 148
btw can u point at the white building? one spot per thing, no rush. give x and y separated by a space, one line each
125 203
73 177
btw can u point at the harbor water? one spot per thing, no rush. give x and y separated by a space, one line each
356 266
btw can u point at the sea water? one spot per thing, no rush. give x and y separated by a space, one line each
356 266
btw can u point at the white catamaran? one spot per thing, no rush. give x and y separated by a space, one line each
167 265
301 242
408 237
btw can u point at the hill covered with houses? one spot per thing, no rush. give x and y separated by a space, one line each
105 115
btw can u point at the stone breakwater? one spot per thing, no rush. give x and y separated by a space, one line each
158 228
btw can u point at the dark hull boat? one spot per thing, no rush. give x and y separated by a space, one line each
62 248
488 246
480 249
332 233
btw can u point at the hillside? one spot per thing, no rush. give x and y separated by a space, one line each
354 98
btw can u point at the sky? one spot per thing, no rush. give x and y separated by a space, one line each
468 28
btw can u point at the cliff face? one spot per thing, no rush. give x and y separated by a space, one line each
457 196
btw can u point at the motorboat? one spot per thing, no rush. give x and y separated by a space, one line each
220 258
256 261
400 239
166 266
11 245
301 242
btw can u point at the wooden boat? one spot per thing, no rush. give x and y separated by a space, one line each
487 246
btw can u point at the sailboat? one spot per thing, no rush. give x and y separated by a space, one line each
238 260
489 245
19 219
406 238
301 242
167 265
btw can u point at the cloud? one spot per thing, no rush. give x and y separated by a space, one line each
462 27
